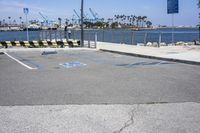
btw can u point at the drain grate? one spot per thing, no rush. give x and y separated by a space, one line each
48 52
172 52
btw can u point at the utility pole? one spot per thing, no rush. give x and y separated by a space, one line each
66 30
82 31
27 28
173 29
199 19
198 3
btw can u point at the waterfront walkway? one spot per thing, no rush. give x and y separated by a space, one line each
186 54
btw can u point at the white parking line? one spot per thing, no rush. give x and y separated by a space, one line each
20 62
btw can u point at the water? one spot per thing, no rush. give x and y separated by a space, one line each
115 36
18 35
129 36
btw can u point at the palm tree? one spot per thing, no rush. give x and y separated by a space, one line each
20 18
134 19
128 19
137 18
66 22
60 21
139 21
9 20
14 22
124 19
120 17
143 19
4 22
117 18
149 24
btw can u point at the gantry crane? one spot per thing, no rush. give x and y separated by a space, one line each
96 16
46 20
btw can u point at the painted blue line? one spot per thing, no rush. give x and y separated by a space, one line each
96 60
148 64
28 62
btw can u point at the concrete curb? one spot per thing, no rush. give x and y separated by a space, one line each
153 57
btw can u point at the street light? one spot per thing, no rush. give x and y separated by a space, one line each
82 31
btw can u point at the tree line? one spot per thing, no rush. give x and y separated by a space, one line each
121 21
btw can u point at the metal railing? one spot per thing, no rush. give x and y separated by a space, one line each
112 36
136 37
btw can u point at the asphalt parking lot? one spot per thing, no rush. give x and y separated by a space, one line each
94 77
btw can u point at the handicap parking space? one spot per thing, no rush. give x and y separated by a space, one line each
54 60
94 77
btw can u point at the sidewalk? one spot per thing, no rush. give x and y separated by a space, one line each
185 54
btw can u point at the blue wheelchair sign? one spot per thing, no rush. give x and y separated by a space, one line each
72 64
172 6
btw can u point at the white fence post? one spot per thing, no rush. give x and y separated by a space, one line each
95 41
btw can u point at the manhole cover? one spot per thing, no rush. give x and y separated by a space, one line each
172 52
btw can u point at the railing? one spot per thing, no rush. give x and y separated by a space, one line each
134 37
113 36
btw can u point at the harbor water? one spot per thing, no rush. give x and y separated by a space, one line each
114 35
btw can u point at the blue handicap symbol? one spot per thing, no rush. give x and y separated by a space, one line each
72 64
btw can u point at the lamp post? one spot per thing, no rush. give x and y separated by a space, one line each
82 31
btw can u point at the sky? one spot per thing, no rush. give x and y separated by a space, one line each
155 10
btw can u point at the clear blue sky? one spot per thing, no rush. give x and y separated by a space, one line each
156 10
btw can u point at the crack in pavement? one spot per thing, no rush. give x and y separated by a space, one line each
129 122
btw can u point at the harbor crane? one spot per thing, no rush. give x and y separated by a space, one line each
46 21
95 15
77 14
79 18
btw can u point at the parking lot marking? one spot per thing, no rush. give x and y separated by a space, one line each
144 64
72 64
19 61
